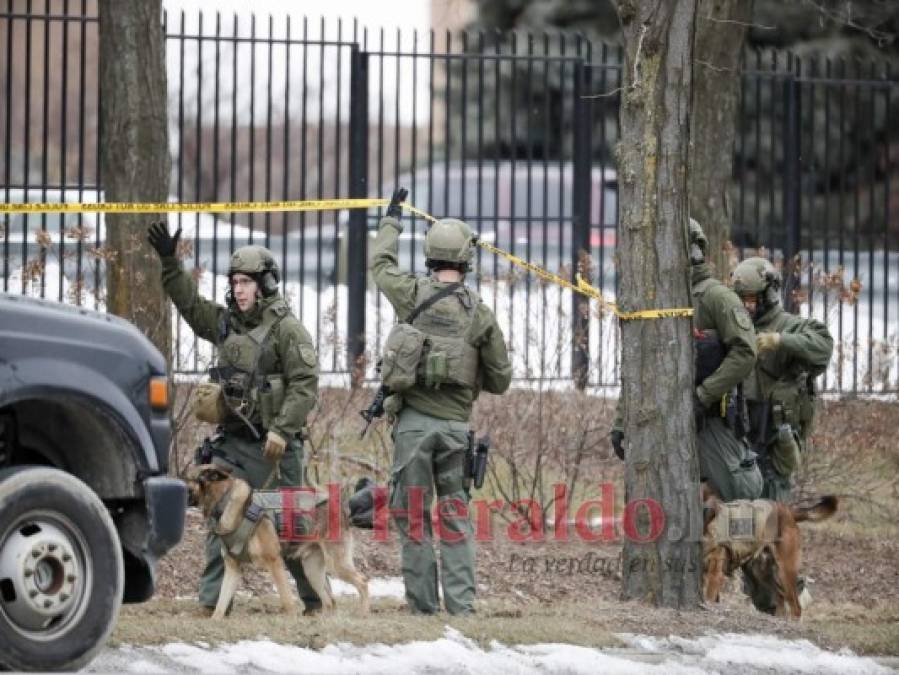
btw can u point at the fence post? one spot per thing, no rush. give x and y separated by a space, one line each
580 231
357 229
792 196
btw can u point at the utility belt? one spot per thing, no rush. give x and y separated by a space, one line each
246 432
730 408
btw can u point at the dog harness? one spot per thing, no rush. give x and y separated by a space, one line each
267 504
739 526
236 540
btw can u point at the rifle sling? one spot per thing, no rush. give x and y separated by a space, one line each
439 295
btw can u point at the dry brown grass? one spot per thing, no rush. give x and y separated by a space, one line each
851 560
594 624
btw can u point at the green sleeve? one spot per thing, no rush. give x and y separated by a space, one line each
300 364
399 287
495 367
735 329
202 315
809 342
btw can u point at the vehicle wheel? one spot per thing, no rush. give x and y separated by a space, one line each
61 571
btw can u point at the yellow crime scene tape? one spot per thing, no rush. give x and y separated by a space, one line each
584 288
204 207
581 286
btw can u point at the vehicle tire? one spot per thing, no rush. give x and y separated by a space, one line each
61 572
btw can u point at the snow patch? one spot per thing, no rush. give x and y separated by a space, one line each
453 653
764 652
380 587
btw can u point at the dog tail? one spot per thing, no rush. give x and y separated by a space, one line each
824 509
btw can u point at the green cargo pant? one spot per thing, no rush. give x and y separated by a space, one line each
724 462
255 469
778 487
428 455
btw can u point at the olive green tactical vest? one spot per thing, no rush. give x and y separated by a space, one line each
243 352
447 356
784 384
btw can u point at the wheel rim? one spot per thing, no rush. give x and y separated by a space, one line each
45 575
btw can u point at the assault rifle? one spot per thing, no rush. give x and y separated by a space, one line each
375 408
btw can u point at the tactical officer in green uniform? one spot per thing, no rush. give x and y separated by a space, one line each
725 355
445 349
780 390
780 395
268 373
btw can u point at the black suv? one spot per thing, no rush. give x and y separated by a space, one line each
86 507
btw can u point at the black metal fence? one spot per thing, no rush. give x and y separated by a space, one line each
515 133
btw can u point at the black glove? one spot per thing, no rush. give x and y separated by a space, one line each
617 438
394 209
699 411
160 239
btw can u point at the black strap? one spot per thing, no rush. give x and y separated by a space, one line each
224 324
219 509
254 512
255 377
439 295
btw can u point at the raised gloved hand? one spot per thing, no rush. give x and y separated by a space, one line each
617 439
395 210
273 450
767 342
160 239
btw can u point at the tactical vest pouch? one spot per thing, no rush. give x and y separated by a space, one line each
238 393
436 372
271 398
806 413
784 397
209 403
401 357
449 360
785 456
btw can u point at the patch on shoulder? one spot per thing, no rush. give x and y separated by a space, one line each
307 354
741 316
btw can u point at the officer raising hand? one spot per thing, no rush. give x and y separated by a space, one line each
266 381
445 349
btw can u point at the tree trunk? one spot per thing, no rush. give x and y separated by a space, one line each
720 35
135 162
657 354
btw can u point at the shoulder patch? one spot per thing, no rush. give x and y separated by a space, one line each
307 354
741 316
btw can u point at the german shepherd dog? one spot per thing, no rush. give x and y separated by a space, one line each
770 545
209 484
